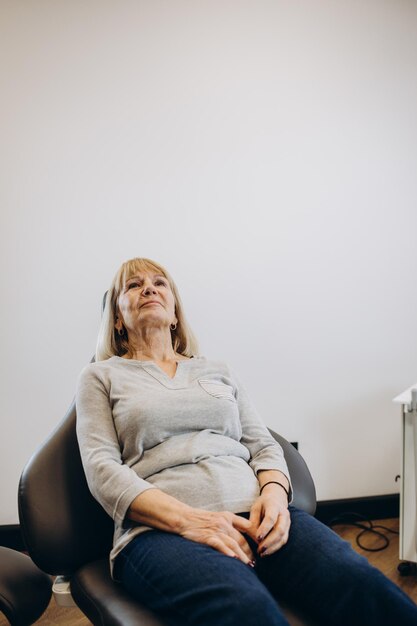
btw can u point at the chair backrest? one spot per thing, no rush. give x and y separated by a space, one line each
304 496
64 526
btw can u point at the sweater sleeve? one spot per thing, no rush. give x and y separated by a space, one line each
113 484
266 453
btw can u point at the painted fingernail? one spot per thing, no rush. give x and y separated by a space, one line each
260 537
251 563
263 550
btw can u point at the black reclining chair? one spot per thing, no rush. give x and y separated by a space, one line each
68 533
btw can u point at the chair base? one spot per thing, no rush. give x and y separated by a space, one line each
62 592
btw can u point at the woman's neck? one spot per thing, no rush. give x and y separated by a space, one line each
160 357
151 347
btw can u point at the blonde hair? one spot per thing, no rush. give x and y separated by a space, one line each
110 343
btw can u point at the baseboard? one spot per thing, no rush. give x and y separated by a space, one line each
372 507
11 537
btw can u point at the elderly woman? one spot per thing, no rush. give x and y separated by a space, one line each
199 491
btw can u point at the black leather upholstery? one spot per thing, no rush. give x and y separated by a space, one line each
92 583
67 532
304 496
25 591
62 524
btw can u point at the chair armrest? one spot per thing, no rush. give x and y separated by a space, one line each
25 591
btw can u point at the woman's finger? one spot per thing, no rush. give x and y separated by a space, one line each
243 544
277 537
241 548
268 522
229 546
275 545
244 525
218 544
255 515
241 523
240 540
233 526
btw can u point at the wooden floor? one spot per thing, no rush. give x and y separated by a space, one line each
386 560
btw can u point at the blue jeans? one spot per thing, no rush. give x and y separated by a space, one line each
316 572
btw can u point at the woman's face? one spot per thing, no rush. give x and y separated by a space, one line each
146 300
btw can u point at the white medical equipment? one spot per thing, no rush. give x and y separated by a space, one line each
408 492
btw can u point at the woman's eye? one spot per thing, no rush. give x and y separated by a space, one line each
136 284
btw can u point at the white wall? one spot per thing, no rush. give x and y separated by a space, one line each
266 153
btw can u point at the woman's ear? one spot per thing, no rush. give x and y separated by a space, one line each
119 324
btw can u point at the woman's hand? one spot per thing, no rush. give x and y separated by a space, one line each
270 519
222 531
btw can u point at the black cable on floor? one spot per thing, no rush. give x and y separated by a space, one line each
360 521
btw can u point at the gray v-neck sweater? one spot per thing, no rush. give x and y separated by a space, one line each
196 437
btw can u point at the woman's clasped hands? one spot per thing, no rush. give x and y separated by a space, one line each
268 525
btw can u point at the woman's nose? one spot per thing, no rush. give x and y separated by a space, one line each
149 289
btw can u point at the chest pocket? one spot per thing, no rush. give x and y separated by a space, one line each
217 389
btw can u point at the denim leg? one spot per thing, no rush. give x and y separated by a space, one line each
185 582
322 575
